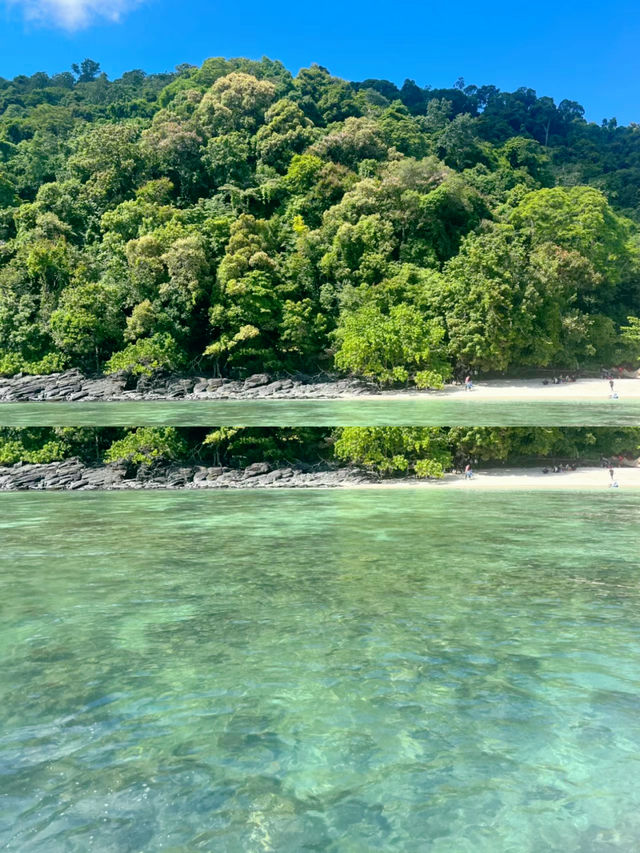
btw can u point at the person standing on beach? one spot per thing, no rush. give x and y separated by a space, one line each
611 472
468 473
611 385
468 384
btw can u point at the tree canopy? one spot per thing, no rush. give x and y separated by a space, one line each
236 218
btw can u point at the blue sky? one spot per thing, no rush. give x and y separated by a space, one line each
585 51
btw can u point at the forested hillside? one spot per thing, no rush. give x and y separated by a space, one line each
234 218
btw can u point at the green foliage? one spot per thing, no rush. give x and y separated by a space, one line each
235 102
388 451
235 211
521 153
524 444
512 297
12 363
42 445
302 330
86 321
7 192
630 338
395 450
12 451
159 352
579 219
147 445
391 347
239 446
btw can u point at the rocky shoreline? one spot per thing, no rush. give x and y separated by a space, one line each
73 386
74 475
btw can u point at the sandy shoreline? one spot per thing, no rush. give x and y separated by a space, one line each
73 387
529 390
519 479
73 475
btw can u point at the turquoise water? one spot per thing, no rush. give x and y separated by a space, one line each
331 671
410 412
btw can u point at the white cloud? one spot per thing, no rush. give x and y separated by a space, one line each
74 14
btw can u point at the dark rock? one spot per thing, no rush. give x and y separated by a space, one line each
214 384
214 473
147 383
230 476
278 385
35 386
73 386
78 484
256 469
27 477
179 476
271 477
105 477
72 475
107 387
73 374
174 393
256 380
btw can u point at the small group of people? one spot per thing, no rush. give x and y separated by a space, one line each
560 469
560 380
563 469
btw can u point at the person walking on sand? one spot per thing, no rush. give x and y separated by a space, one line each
611 472
468 384
611 385
468 472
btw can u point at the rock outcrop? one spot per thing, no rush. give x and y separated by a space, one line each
73 475
72 386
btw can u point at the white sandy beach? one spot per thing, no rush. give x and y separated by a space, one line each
521 479
529 390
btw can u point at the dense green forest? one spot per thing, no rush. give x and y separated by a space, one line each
423 451
233 218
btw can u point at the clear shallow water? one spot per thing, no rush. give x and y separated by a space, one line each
411 412
330 671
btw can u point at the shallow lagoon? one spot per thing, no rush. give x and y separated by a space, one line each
413 411
341 671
